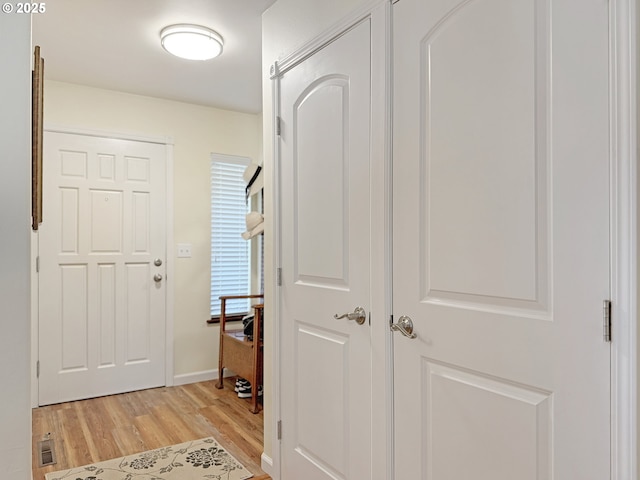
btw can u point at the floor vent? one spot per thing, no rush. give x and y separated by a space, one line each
46 451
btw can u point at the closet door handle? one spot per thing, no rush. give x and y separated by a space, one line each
404 326
359 315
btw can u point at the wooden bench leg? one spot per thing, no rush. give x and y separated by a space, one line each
254 408
220 383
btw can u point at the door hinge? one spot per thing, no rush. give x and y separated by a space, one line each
279 277
38 264
606 314
279 432
38 369
278 125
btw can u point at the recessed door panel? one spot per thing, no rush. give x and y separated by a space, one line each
315 380
107 167
106 221
107 314
138 316
141 209
137 169
462 406
73 311
69 214
322 189
73 164
484 195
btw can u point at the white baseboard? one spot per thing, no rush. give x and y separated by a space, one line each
266 463
204 376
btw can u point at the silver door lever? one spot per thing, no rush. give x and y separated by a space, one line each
359 315
404 326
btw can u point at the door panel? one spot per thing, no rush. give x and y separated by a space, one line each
465 406
500 239
102 315
324 167
472 65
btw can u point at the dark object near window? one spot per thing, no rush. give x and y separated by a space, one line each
247 322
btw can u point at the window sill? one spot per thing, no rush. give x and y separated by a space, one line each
236 317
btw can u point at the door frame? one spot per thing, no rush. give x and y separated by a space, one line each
379 14
624 52
625 361
170 266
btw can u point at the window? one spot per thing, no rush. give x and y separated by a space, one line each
230 253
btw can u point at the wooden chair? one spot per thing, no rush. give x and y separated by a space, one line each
240 354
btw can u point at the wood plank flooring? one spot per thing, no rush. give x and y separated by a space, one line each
98 429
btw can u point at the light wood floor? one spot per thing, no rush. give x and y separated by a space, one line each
94 430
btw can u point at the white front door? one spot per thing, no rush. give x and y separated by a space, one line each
501 239
102 249
325 248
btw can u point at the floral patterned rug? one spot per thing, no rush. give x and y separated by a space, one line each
196 460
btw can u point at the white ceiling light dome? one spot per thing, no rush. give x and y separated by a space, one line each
192 42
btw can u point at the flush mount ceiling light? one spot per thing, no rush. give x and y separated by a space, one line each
192 42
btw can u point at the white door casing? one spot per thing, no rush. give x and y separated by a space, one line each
501 239
324 166
102 316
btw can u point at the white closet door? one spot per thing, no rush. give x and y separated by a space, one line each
324 168
501 239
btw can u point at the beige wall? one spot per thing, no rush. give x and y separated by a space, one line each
286 26
197 132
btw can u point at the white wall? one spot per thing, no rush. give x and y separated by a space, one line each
197 132
286 26
637 93
15 171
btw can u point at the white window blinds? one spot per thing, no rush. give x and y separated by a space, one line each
230 253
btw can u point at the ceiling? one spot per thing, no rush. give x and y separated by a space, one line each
115 44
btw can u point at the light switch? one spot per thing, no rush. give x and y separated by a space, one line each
184 250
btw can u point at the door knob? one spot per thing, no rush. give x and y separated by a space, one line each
157 262
404 326
359 315
157 277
